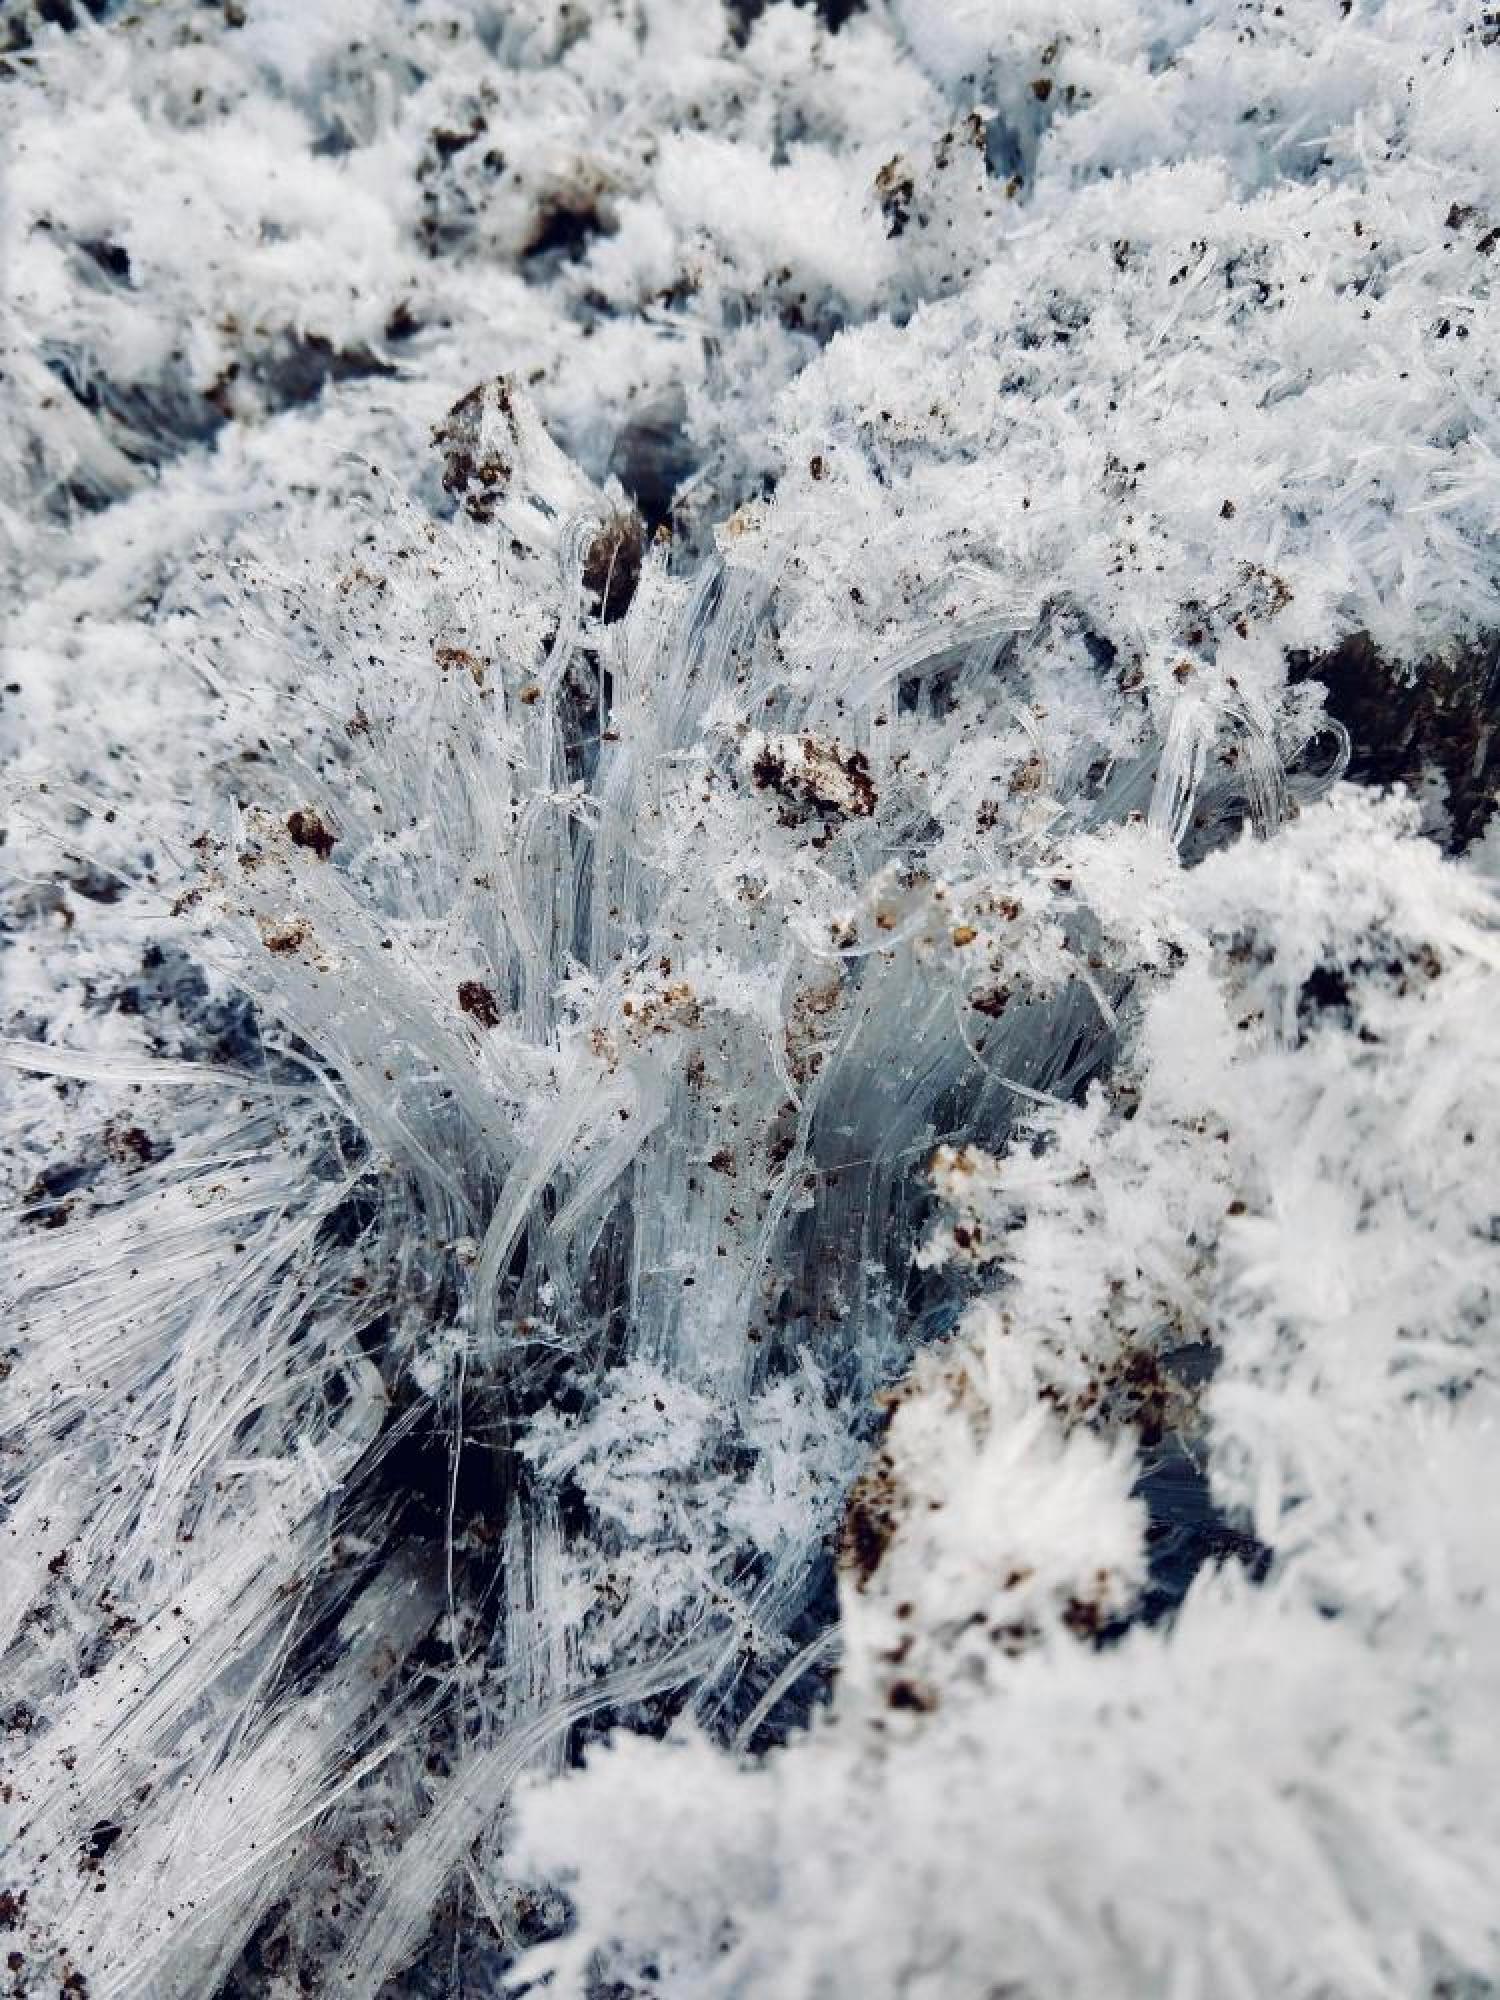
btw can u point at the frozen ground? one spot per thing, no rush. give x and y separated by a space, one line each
751 999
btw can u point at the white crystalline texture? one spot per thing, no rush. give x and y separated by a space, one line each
751 999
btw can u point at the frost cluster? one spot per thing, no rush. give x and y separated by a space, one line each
751 999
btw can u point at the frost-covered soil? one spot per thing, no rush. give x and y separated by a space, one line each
751 999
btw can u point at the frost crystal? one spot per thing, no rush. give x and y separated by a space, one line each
752 999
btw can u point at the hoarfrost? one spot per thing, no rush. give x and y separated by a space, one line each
752 1240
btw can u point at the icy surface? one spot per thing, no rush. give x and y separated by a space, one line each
751 999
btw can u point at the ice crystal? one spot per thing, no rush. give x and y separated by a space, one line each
752 1244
